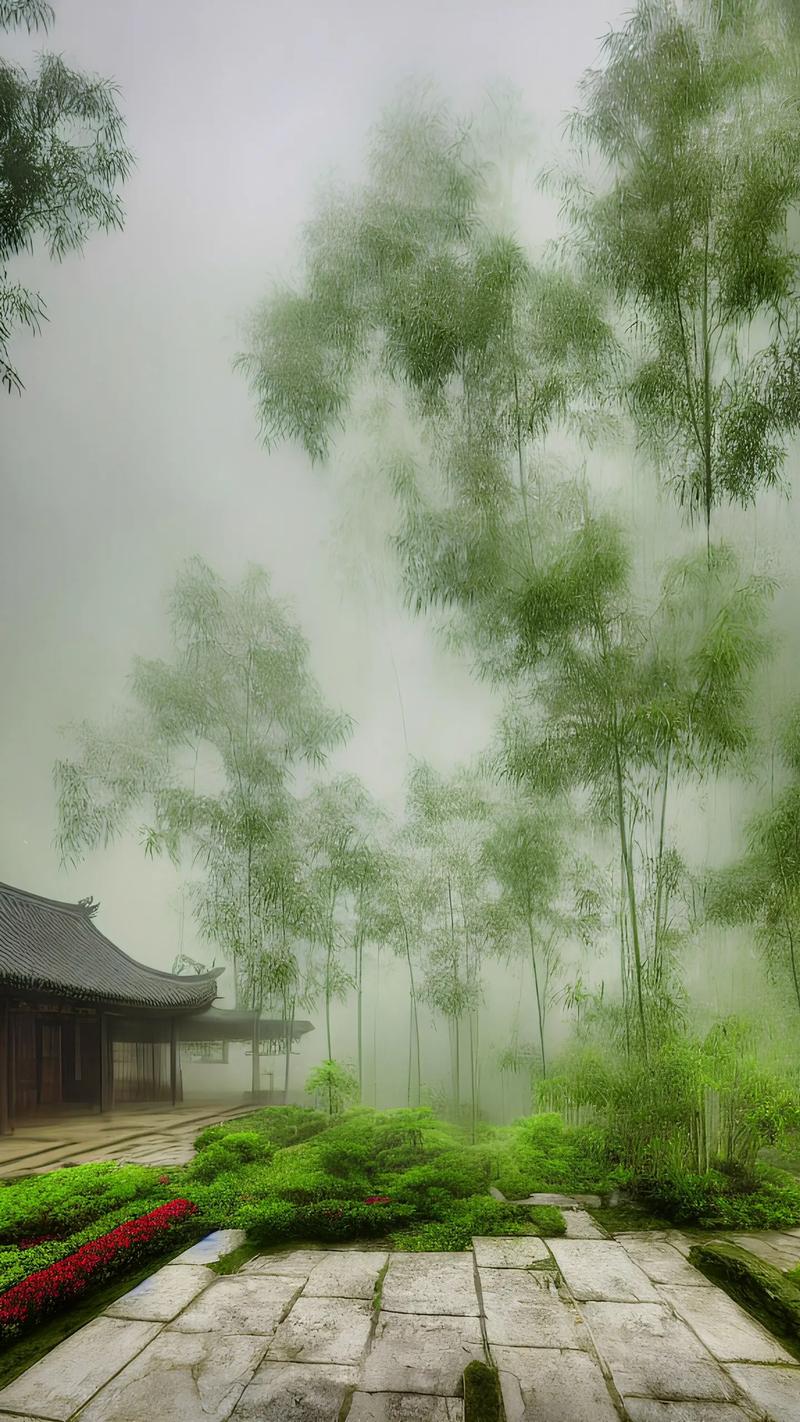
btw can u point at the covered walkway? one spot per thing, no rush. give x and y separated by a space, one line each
149 1135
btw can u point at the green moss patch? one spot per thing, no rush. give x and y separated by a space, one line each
483 1400
770 1296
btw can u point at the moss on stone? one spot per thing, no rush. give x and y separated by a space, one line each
483 1400
770 1296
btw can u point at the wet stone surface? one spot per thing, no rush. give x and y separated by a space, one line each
404 1407
425 1354
295 1337
540 1383
68 1376
239 1304
296 1392
164 1295
185 1377
316 1331
602 1269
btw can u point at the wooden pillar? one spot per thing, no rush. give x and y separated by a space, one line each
5 1072
173 1061
106 1065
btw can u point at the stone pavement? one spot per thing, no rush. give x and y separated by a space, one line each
148 1136
583 1328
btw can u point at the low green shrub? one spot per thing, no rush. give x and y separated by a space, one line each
455 1227
279 1125
540 1154
227 1152
453 1175
16 1263
64 1201
483 1401
271 1221
773 1297
763 1199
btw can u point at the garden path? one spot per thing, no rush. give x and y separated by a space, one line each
583 1328
145 1135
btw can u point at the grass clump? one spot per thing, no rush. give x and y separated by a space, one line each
483 1400
455 1227
771 1296
539 1154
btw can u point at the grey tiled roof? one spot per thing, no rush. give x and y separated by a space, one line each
48 946
229 1024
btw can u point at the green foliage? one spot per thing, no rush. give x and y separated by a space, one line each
270 1220
335 1083
483 1400
227 1152
456 1224
278 1125
456 1174
64 1201
761 1199
62 157
773 1297
762 888
539 1154
694 125
238 698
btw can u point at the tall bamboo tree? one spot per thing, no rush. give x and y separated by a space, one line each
692 123
207 749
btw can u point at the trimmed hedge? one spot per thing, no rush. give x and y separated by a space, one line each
271 1221
63 1282
771 1296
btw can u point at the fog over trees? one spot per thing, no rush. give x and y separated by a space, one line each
412 594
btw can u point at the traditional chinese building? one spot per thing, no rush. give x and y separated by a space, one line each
83 1026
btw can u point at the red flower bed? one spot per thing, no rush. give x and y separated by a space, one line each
378 1200
67 1279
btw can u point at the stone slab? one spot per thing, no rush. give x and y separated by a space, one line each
545 1383
642 1409
602 1269
580 1225
566 1202
298 1262
302 1392
352 1274
777 1390
662 1262
255 1304
421 1354
164 1295
317 1331
523 1309
727 1331
651 1353
430 1283
186 1377
514 1252
773 1248
404 1407
213 1247
680 1241
73 1372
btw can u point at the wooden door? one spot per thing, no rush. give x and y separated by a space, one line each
49 1061
26 1092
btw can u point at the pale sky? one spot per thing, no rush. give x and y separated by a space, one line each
135 444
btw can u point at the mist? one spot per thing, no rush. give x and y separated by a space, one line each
135 446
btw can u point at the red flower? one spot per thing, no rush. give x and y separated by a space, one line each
68 1278
163 1180
378 1200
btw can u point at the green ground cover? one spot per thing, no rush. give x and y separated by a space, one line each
406 1177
